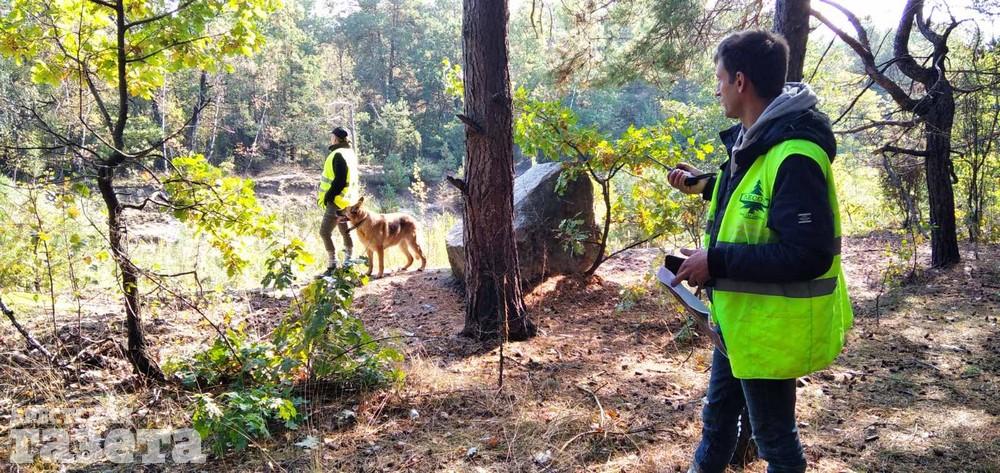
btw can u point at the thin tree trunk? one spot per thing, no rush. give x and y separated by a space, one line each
906 203
389 90
603 245
215 125
791 19
192 129
137 349
492 276
137 346
154 105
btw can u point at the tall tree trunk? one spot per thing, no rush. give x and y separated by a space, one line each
136 351
492 277
791 19
390 91
192 128
938 167
215 121
160 162
137 348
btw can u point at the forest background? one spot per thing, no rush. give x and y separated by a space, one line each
213 152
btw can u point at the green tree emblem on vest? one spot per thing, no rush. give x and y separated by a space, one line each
754 202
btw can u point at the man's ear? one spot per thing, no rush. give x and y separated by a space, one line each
740 81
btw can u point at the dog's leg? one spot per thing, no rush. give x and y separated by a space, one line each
381 260
409 258
416 247
371 262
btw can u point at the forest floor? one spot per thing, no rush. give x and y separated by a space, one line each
613 382
615 379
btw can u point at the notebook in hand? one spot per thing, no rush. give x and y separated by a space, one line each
693 305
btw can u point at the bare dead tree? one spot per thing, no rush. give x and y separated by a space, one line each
933 109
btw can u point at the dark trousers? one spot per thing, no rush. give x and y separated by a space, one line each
330 217
771 404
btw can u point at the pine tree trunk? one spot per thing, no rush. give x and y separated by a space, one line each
791 19
938 169
492 277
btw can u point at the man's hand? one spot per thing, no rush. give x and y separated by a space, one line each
694 270
684 171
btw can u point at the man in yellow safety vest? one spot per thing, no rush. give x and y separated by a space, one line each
771 256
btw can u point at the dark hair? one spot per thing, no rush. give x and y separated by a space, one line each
762 56
340 132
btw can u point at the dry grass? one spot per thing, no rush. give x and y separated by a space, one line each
600 389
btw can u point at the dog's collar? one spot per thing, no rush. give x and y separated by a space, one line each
349 230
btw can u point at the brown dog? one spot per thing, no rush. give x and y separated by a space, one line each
380 231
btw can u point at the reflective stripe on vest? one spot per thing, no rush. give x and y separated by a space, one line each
777 330
348 196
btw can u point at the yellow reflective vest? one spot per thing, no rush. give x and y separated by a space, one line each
349 195
777 330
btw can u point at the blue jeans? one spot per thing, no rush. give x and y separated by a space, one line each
771 404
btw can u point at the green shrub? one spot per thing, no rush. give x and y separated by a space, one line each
234 418
397 173
318 340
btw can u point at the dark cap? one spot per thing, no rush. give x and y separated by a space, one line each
340 132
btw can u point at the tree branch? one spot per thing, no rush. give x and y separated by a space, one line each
850 106
897 150
103 3
633 245
879 123
459 184
853 19
897 93
469 122
169 46
97 98
32 342
58 136
85 73
161 16
907 65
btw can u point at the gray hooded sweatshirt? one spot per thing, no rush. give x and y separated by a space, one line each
795 98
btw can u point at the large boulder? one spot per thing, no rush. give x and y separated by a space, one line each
538 210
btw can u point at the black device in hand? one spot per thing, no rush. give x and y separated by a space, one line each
673 263
691 181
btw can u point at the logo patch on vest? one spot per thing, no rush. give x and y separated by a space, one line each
754 203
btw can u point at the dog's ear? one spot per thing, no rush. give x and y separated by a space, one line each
360 201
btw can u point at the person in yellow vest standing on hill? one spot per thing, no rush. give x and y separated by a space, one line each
771 257
338 189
